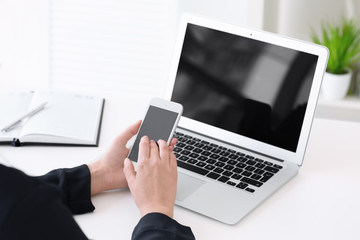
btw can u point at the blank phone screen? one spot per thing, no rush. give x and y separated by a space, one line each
157 125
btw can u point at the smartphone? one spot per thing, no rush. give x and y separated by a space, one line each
160 122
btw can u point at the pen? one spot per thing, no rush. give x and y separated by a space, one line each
29 114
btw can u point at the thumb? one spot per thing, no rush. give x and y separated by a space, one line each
129 172
128 133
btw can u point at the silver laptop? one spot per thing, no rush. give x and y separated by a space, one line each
249 99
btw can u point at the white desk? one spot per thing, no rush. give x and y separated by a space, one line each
322 202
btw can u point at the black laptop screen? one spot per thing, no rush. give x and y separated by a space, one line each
245 86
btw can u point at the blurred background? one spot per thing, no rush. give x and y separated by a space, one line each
112 45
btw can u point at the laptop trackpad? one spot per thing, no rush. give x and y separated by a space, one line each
186 185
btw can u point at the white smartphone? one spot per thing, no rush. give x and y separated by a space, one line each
160 122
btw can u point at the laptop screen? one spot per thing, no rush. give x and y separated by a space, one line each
244 86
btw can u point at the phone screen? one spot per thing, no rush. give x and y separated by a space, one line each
157 125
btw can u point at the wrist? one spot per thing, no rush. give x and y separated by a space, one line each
97 177
168 211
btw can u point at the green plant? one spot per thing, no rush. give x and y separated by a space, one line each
343 42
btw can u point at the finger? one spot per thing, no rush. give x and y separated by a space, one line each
154 150
173 160
129 172
144 149
124 137
173 142
164 150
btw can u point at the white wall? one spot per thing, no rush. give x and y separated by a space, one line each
23 44
297 18
24 28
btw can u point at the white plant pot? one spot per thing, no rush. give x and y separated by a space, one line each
335 86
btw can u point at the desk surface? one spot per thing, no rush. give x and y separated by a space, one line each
321 202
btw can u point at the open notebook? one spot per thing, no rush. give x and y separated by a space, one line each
67 118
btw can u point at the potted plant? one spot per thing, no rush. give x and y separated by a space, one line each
343 42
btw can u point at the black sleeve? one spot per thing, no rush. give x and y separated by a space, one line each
41 207
75 186
159 226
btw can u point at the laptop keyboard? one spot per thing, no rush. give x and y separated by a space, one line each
230 167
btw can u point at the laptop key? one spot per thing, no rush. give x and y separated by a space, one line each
250 168
241 165
185 152
277 166
268 163
215 150
218 170
271 169
223 179
249 190
236 176
201 164
266 176
207 148
247 173
250 162
213 175
202 158
227 173
228 167
233 156
252 182
255 176
259 171
188 147
179 144
209 167
215 156
191 142
192 168
260 165
264 179
242 185
223 159
225 153
237 170
206 153
177 149
219 164
192 161
197 150
194 155
211 161
232 162
183 158
231 183
199 145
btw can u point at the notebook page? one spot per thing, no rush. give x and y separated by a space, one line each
66 115
13 105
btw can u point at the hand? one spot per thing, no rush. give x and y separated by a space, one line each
153 186
107 172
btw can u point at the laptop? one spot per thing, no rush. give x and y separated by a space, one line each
249 99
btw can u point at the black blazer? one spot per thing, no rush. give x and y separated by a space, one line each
42 207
